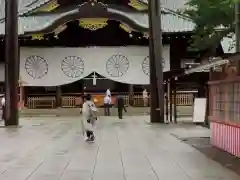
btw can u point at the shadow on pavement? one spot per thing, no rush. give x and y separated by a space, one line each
203 145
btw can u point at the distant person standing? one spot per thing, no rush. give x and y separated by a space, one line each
3 107
145 97
108 92
107 105
120 106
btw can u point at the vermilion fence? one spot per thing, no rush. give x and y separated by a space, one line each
224 114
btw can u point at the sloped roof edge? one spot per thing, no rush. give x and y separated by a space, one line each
24 6
31 24
173 5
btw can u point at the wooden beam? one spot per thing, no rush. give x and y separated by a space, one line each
11 62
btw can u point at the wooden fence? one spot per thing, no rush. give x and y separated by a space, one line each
68 101
182 99
41 102
73 101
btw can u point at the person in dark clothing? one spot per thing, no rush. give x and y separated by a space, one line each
3 107
107 105
120 106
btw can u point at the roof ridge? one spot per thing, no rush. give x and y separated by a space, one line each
30 6
177 14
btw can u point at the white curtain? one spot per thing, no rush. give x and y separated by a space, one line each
58 66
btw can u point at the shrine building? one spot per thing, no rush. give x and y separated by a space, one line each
70 45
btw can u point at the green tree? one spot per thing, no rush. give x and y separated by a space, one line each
214 19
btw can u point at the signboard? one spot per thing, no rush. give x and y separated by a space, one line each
199 110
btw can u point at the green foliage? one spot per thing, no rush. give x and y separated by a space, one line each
214 19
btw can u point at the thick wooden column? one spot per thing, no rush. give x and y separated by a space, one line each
174 101
170 100
154 105
155 55
58 96
21 98
11 62
167 100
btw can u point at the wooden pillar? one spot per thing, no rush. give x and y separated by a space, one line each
21 98
58 96
154 114
25 95
206 121
131 93
11 62
175 102
170 100
167 100
155 56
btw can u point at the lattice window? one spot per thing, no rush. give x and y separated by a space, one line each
220 102
230 102
236 116
213 101
225 101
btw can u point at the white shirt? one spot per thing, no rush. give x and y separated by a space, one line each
145 94
108 92
3 101
107 100
86 108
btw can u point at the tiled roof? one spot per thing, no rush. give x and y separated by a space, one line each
170 4
24 6
170 22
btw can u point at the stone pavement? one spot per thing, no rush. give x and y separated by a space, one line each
53 149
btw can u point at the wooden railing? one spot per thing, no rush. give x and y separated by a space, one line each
41 102
182 99
74 100
68 101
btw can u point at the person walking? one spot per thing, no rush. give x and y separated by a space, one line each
120 106
145 97
107 105
3 107
89 118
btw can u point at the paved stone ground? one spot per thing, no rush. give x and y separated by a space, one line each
53 149
199 138
182 111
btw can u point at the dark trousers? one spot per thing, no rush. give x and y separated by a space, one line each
106 109
89 133
120 112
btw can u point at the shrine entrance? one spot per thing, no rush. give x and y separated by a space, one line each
96 70
97 85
